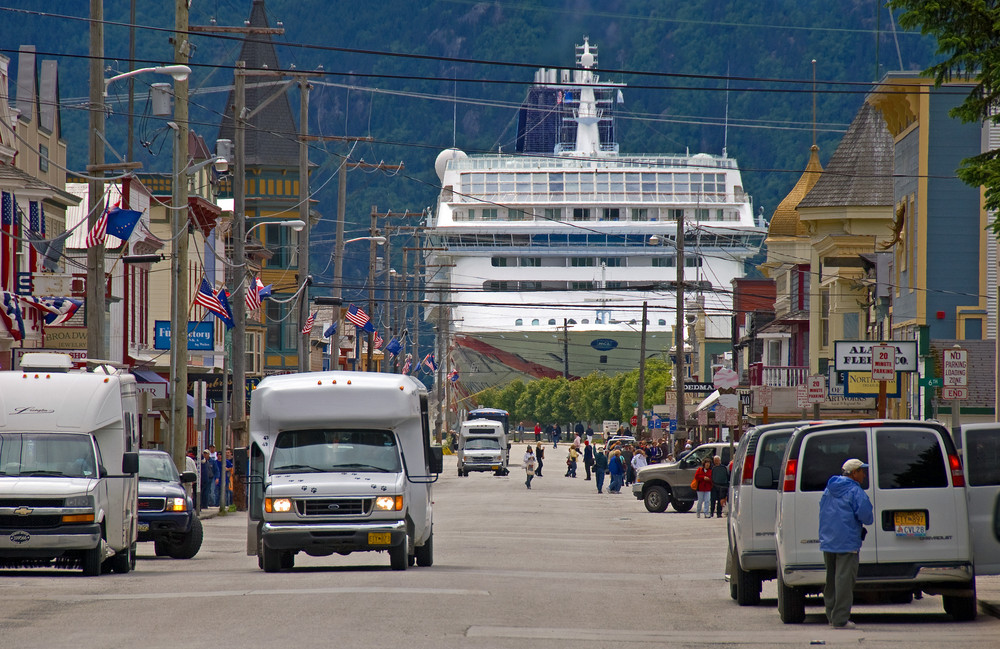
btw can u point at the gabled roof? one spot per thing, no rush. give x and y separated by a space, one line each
270 134
785 221
860 171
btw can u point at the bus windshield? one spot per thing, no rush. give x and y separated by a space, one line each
64 455
335 451
493 414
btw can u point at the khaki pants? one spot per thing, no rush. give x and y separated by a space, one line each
838 594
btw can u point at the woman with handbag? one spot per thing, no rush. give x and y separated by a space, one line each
703 476
529 466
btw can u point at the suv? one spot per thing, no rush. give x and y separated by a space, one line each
166 512
753 492
659 485
920 541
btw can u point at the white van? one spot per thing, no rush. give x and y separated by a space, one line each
69 460
920 541
340 462
979 445
482 446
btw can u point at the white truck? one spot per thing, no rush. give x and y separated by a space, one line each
340 462
69 461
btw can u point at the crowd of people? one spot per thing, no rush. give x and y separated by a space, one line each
210 475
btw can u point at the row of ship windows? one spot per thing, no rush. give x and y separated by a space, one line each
589 262
535 322
601 182
595 214
501 286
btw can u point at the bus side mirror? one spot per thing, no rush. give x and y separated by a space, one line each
436 460
130 463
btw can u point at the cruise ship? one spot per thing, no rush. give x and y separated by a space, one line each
543 257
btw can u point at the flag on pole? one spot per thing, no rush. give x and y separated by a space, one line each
98 233
10 314
360 319
216 303
253 295
310 321
393 347
7 255
429 362
408 363
120 223
453 376
329 331
56 310
377 341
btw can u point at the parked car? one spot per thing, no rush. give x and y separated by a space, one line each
753 492
920 542
659 485
166 512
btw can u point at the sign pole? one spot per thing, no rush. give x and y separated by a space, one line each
881 399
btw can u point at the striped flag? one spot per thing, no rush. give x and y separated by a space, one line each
10 315
359 318
216 303
378 341
253 295
56 310
310 321
429 362
408 363
98 233
7 251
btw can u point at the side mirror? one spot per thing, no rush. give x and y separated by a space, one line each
436 460
189 476
130 463
763 478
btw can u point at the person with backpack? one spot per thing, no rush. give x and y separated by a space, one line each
600 468
616 466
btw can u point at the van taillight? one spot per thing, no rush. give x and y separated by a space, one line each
957 475
748 470
791 466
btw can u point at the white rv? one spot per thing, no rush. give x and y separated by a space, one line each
340 462
68 466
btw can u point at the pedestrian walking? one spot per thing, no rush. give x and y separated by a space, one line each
529 466
540 458
538 432
616 467
720 488
703 478
556 436
844 510
590 434
571 459
638 461
588 457
600 468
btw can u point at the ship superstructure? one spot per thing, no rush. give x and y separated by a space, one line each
545 257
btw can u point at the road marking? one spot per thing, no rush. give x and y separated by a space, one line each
86 597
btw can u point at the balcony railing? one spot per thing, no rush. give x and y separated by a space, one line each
778 376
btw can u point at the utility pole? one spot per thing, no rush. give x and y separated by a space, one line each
178 324
238 408
642 372
565 329
372 231
679 327
304 346
96 282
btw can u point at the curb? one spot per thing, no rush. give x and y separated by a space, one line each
990 608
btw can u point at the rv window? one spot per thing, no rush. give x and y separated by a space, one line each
47 454
331 451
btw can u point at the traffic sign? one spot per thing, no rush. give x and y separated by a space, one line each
765 394
634 421
802 396
816 388
931 382
956 367
883 362
954 393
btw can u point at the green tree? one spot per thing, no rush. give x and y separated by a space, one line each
489 398
509 395
966 33
527 400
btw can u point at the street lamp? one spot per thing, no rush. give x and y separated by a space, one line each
178 72
679 326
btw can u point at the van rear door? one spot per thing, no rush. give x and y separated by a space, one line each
981 448
917 511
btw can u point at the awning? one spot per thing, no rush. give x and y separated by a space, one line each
209 411
149 381
709 401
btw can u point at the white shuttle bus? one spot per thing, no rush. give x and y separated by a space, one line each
340 462
69 460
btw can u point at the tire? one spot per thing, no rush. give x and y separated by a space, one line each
90 561
962 608
730 572
791 603
121 563
459 473
747 586
656 499
270 559
190 543
161 548
425 553
399 555
682 506
287 560
901 597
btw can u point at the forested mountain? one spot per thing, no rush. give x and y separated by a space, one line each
691 67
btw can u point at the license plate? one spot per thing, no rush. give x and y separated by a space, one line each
143 527
495 467
379 538
910 523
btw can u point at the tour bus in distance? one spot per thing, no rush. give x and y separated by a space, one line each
482 446
69 442
496 414
341 462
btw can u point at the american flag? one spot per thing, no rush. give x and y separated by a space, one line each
56 310
10 314
310 321
216 303
253 295
378 341
429 362
99 232
9 243
359 318
453 376
408 363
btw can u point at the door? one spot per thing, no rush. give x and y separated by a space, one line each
770 450
981 450
255 506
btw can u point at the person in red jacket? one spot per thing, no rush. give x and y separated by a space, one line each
704 478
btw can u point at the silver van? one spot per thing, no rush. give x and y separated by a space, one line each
920 542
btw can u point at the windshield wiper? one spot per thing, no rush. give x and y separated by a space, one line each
366 467
295 468
149 477
43 472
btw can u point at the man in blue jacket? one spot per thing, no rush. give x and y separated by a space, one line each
844 509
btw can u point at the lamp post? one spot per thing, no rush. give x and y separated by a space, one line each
679 326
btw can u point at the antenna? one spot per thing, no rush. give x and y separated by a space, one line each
814 101
725 131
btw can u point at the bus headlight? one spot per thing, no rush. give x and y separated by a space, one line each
389 503
278 505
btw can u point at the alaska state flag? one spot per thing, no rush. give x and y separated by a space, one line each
122 222
393 347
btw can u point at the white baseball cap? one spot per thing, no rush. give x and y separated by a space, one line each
853 465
